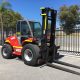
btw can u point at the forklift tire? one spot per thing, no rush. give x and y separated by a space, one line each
6 51
30 54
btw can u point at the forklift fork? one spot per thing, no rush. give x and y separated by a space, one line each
62 68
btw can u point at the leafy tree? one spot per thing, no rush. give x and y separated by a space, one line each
68 17
8 18
3 6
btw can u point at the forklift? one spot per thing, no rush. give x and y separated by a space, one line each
36 44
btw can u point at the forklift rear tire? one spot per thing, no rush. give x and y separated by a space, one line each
6 51
30 54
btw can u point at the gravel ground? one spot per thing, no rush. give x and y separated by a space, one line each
15 69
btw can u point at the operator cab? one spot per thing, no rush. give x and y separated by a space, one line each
28 29
36 29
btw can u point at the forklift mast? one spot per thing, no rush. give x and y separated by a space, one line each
48 18
48 33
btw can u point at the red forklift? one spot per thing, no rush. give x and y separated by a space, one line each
36 43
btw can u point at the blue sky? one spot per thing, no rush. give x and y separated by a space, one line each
31 8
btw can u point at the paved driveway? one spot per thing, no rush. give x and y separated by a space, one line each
15 69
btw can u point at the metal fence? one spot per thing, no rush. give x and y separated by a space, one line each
69 44
0 38
4 35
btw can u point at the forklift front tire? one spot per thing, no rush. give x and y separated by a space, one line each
30 54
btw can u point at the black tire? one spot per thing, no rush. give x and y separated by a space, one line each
34 51
7 51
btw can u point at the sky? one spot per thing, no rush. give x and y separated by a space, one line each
30 9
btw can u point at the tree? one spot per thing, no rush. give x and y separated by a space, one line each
8 18
68 17
3 6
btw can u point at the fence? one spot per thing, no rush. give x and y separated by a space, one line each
5 34
68 43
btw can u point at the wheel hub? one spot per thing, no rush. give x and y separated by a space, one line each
5 51
28 55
